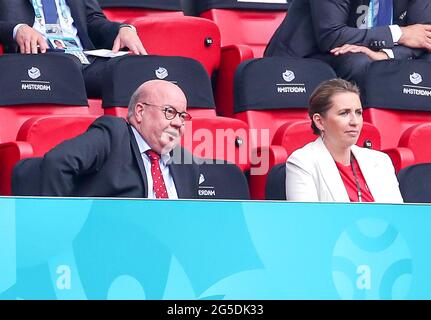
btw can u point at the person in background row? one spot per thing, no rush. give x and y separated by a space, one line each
333 168
350 34
138 158
29 26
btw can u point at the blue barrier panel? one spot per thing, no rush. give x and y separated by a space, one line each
176 249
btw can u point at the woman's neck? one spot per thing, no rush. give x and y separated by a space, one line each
339 154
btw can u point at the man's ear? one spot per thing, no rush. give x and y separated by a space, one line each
318 121
139 109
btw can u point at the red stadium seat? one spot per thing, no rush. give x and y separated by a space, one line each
219 138
417 138
396 97
413 147
95 107
190 37
231 57
123 14
36 137
121 10
393 123
32 86
246 27
272 91
11 118
248 23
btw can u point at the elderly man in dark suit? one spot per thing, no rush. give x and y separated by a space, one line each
135 158
350 34
31 26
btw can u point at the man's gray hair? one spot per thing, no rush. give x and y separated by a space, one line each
132 103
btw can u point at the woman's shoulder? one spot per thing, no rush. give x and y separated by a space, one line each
372 157
370 153
306 154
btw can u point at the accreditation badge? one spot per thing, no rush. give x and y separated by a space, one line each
69 46
53 29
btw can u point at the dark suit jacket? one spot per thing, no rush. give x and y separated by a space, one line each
316 26
105 162
94 30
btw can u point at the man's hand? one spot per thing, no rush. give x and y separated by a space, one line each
417 36
28 39
351 48
128 38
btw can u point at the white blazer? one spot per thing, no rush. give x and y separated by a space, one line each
312 175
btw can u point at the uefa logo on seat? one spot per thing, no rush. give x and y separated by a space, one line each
161 73
288 76
34 73
415 78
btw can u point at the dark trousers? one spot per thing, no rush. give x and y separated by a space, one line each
353 66
93 76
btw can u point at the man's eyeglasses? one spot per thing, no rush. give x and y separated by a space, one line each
170 112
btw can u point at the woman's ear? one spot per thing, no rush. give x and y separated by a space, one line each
318 121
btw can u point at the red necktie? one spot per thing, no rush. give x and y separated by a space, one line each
159 186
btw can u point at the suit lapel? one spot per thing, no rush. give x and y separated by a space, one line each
80 22
329 172
139 161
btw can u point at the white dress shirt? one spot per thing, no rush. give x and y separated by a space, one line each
164 160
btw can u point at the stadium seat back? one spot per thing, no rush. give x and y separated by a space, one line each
296 134
37 136
392 123
251 27
12 118
265 123
126 74
219 138
396 96
186 36
32 86
121 10
271 91
417 138
415 183
125 14
248 23
275 188
44 133
222 181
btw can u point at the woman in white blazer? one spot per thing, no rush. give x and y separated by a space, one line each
333 168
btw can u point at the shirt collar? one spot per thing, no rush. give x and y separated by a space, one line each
143 146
